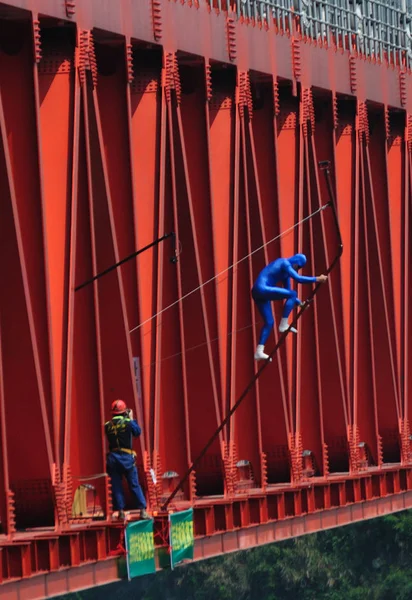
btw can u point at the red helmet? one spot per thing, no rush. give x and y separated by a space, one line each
119 407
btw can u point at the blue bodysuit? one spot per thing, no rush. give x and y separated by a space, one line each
265 289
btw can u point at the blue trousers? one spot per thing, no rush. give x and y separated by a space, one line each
119 464
263 296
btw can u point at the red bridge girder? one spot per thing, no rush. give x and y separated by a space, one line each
107 142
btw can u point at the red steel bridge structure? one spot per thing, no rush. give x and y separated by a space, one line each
123 121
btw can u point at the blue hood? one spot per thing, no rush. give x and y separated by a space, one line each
298 260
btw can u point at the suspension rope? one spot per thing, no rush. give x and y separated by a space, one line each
298 224
151 364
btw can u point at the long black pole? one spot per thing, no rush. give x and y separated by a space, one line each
282 338
324 165
121 262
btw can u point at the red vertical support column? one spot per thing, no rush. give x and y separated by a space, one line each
40 301
308 386
203 413
117 376
192 124
365 415
162 380
121 365
236 256
398 173
143 96
406 372
114 351
221 120
384 219
54 78
6 495
381 209
111 141
273 398
298 367
86 415
395 184
169 392
23 309
193 134
7 512
76 189
345 152
170 409
147 165
328 305
288 164
223 137
247 432
352 326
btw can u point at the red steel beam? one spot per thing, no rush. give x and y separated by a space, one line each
200 323
106 571
395 188
197 30
53 84
24 320
407 274
334 408
228 159
387 395
83 418
366 417
311 427
6 504
221 123
91 463
112 124
235 257
73 200
287 146
320 521
247 417
274 415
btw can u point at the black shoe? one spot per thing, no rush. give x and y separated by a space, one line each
122 516
144 514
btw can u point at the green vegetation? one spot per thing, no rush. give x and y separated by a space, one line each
371 560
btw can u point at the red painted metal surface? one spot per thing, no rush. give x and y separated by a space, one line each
93 573
108 140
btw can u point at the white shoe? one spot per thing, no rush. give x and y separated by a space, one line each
259 354
284 326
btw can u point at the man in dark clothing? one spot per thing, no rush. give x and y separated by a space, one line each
121 459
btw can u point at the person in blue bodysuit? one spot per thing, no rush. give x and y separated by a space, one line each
266 289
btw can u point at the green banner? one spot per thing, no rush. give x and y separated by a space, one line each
140 548
181 536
